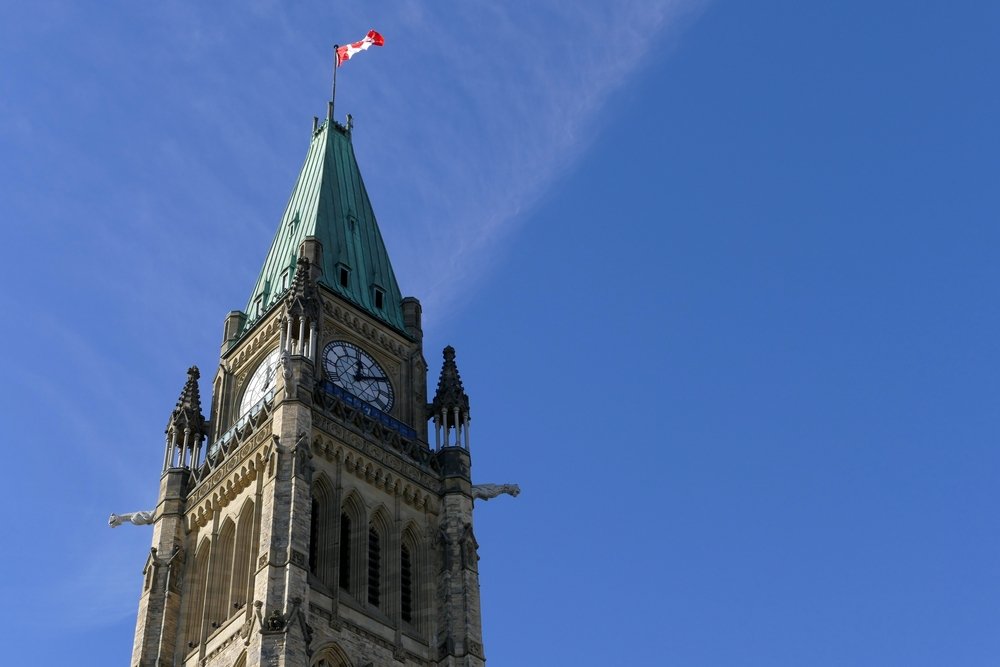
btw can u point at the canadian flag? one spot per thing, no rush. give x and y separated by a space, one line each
345 53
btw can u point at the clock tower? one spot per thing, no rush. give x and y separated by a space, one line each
323 515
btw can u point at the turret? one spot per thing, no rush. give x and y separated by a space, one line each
411 318
187 427
450 407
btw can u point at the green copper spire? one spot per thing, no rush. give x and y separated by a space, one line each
330 203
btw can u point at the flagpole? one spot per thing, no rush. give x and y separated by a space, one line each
333 94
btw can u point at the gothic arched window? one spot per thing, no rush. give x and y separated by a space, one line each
321 532
352 545
222 577
194 595
242 558
331 656
410 580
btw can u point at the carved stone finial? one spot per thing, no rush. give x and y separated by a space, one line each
187 413
450 392
303 296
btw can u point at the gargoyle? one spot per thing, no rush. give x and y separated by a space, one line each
141 518
487 491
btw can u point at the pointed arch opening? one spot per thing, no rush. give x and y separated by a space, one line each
243 558
194 595
222 576
331 656
377 594
322 530
352 545
411 563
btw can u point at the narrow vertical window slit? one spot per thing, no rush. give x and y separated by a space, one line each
405 584
314 538
374 563
345 552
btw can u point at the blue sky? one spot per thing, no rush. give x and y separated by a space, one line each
722 277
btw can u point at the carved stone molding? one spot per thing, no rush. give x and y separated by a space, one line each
322 612
246 629
385 456
242 454
276 621
296 557
369 636
262 337
221 647
370 332
225 484
390 474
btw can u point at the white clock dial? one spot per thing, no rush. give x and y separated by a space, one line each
261 382
353 369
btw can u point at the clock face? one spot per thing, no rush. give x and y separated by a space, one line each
351 368
261 382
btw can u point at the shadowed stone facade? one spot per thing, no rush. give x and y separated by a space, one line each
309 522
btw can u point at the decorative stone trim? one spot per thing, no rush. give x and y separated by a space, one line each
265 326
320 611
386 472
353 426
374 333
228 626
370 636
218 490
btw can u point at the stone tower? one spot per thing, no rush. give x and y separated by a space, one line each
309 522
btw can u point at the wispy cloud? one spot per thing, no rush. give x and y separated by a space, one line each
498 100
464 120
167 161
